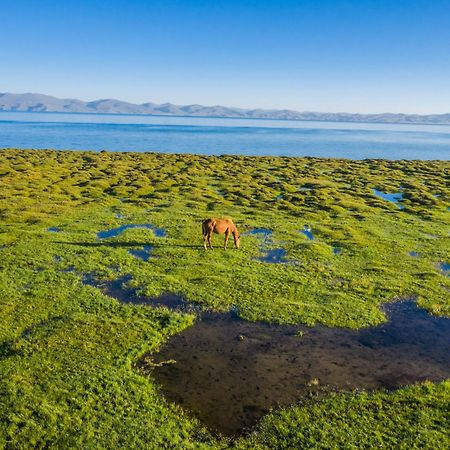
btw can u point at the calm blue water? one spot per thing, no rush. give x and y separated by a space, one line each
114 232
222 136
394 197
308 233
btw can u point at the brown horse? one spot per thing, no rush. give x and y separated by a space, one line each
219 226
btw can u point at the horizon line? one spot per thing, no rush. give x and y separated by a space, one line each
243 109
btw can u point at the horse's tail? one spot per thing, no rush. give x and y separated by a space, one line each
208 226
204 227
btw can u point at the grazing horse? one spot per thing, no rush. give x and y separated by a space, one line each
219 226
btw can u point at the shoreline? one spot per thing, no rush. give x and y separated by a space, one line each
225 155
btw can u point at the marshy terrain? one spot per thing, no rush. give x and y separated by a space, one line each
327 328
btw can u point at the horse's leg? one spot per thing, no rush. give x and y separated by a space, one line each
209 239
227 235
204 234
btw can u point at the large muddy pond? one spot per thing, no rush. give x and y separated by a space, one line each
229 372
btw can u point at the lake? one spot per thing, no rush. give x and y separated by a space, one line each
215 136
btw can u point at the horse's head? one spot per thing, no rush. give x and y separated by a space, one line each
237 240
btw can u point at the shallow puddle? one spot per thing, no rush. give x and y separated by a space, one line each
265 232
308 233
118 289
445 267
114 232
274 256
413 254
394 197
278 255
230 372
53 229
145 253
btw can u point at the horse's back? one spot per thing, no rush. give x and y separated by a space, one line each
217 225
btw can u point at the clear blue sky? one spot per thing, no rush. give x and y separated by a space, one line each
355 56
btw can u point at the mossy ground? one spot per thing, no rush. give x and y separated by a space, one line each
67 351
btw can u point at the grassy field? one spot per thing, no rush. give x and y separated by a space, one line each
67 351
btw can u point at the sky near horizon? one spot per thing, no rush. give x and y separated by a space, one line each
367 56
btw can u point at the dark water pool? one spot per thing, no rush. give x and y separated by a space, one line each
230 373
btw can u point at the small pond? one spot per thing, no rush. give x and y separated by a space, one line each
445 267
145 253
114 232
270 255
394 197
274 256
119 290
265 232
308 233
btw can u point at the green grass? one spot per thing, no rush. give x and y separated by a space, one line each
414 418
67 352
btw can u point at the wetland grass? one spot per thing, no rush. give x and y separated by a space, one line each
68 352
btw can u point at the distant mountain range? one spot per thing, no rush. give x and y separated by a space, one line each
46 103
